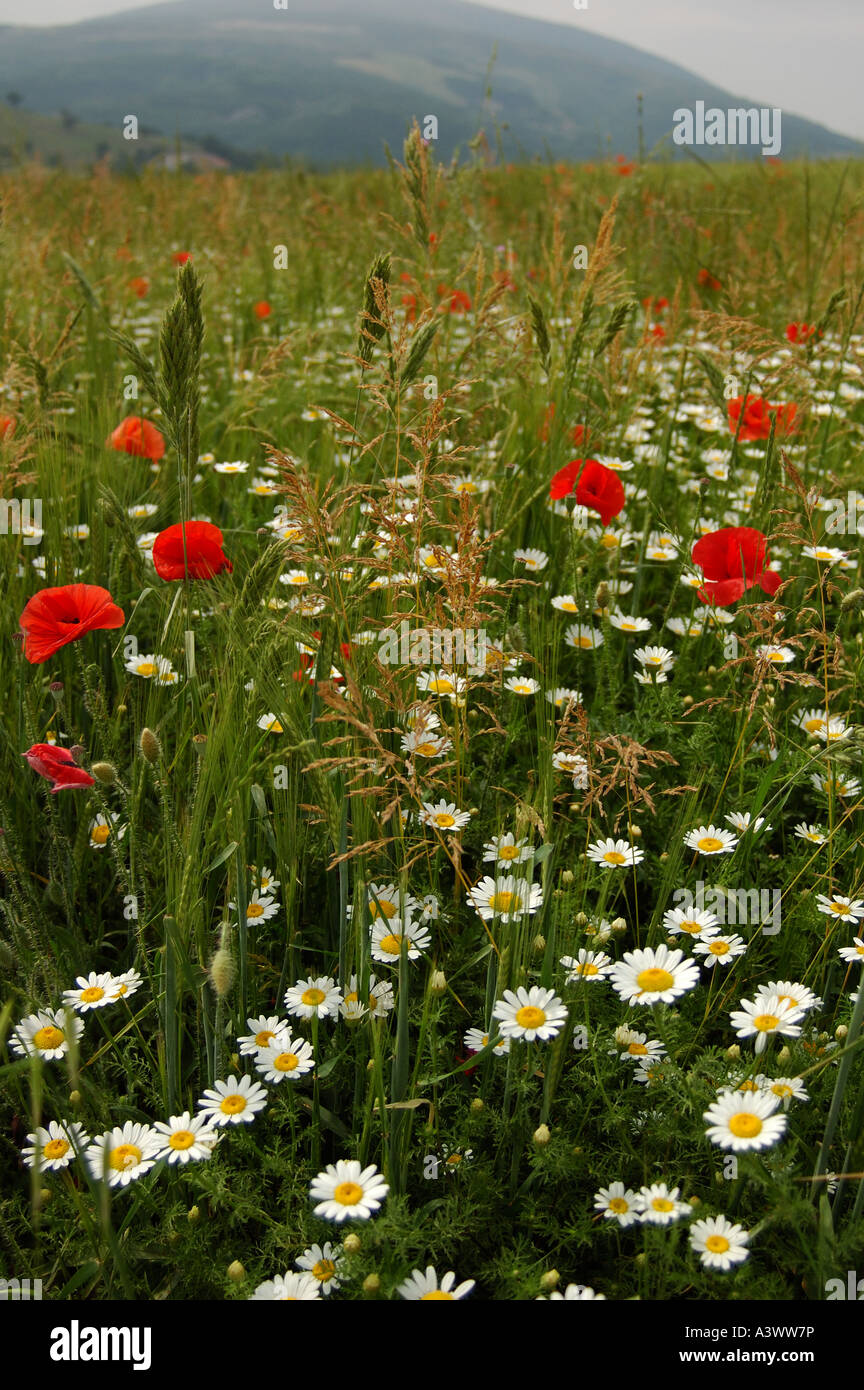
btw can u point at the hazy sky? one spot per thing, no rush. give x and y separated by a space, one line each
802 55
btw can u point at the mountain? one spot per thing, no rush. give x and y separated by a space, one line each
330 82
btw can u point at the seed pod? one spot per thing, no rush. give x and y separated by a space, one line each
104 772
150 746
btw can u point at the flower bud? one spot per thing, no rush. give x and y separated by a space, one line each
580 919
150 746
351 1244
618 924
541 1136
567 877
104 772
75 1098
550 1280
733 1052
539 944
601 595
236 1272
437 983
783 1055
56 688
77 752
372 1284
222 972
840 1032
477 1104
193 1215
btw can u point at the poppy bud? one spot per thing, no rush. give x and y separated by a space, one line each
104 772
150 746
222 972
56 688
45 1195
77 752
601 597
854 600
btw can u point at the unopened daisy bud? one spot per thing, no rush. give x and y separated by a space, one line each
193 1215
641 1257
539 944
222 972
840 1032
351 1244
712 670
236 1272
853 600
75 1098
783 1055
372 1284
541 1136
601 595
550 1280
636 832
687 701
45 1195
733 1052
77 752
618 924
476 1104
150 746
580 919
104 772
694 1201
121 709
567 877
437 983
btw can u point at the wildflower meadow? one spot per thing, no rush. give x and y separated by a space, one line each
431 731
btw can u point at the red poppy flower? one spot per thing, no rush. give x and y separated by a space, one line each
548 417
800 332
54 617
139 285
625 165
203 551
460 303
410 302
597 487
656 330
262 309
655 306
58 765
7 426
709 281
580 434
181 257
734 559
757 417
137 436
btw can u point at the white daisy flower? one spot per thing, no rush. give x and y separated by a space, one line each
506 899
443 815
522 685
185 1138
506 849
626 622
654 975
49 1150
313 998
582 637
533 560
233 1102
425 1287
387 939
586 965
784 1089
614 854
617 1203
660 1206
475 1040
322 1262
563 697
720 950
846 909
855 953
286 1057
762 1018
637 1047
574 1293
91 992
121 1155
710 839
46 1033
347 1192
530 1013
719 1243
287 1288
125 985
695 922
740 1121
790 992
271 723
814 833
263 1031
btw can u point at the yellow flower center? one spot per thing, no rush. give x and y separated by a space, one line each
690 926
444 820
286 1061
426 750
614 856
454 1160
637 1050
120 991
274 727
618 1204
585 643
709 843
765 1022
255 910
654 980
313 996
55 1148
781 1089
588 968
609 542
125 1156
662 1204
147 668
48 1037
841 909
393 944
441 686
718 1245
719 948
233 1104
92 994
748 1086
436 1296
348 1194
181 1139
508 852
567 607
263 1038
530 1017
383 908
505 902
99 834
324 1271
745 1125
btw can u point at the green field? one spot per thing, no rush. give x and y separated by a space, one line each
367 383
